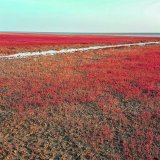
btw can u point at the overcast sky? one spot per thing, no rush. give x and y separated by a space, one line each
80 15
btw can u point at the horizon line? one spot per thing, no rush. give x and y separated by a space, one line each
82 32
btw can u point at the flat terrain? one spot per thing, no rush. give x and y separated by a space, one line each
101 104
18 42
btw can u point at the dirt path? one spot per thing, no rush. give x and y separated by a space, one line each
52 52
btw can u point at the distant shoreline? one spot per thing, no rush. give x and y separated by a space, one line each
85 33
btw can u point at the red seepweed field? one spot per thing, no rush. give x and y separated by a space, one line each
100 104
19 42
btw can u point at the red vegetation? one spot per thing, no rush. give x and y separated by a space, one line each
20 42
100 104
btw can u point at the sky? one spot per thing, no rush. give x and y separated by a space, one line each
80 15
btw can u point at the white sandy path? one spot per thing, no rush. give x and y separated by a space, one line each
52 52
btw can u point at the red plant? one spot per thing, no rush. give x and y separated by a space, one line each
105 103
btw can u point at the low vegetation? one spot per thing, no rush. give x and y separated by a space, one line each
101 104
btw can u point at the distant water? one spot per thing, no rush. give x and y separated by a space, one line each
85 33
123 34
120 34
140 34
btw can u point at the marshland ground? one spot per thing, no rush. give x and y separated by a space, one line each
100 104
